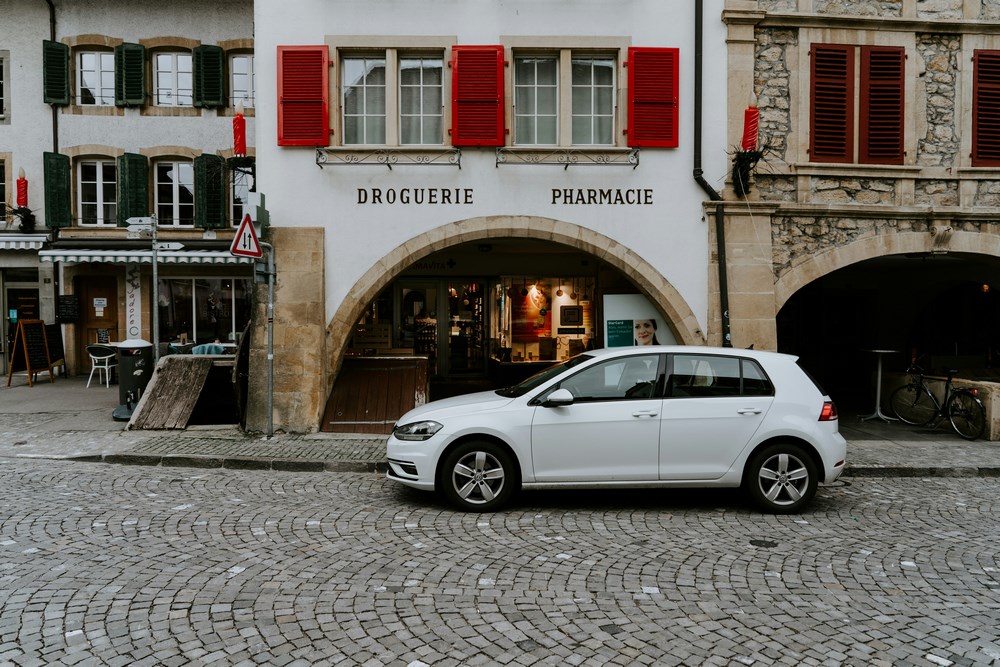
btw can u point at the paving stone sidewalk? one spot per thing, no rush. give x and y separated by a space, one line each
67 420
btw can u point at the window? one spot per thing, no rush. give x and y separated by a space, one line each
3 192
477 93
242 83
986 109
174 187
878 104
95 78
363 87
421 116
206 309
631 378
97 192
3 90
593 101
707 376
303 96
173 80
536 101
242 186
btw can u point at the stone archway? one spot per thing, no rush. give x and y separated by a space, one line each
632 265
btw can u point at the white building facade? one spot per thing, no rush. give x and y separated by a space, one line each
490 185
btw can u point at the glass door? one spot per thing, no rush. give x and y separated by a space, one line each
417 320
466 328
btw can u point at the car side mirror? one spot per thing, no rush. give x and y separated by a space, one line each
558 398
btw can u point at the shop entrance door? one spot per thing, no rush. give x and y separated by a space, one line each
417 320
98 312
446 322
465 336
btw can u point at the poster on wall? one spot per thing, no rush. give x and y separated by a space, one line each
531 313
630 319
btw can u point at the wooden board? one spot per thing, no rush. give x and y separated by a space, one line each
371 393
172 393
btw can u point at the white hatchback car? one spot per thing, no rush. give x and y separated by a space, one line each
657 416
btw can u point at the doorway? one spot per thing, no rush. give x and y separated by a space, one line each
20 302
444 320
98 311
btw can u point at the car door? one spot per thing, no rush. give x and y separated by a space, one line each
611 430
713 406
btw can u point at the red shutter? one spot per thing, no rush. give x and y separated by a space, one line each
831 109
881 106
986 109
653 77
477 86
303 96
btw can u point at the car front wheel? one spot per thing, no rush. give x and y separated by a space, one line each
478 476
781 479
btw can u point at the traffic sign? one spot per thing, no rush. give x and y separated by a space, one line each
245 243
162 245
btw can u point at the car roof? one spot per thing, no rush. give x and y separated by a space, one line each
689 349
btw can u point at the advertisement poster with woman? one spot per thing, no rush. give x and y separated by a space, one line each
531 313
629 319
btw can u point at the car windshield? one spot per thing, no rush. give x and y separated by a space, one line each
541 377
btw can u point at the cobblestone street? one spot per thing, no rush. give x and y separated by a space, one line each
136 565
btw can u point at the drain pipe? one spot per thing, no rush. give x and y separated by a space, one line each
720 218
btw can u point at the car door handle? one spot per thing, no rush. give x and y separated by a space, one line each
749 411
644 413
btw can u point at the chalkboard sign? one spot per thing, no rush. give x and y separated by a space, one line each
68 308
31 351
53 334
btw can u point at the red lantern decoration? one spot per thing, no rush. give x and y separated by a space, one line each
751 122
239 133
22 190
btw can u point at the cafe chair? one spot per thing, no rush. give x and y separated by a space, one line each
102 359
208 348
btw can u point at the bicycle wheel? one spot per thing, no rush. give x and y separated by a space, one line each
914 404
966 414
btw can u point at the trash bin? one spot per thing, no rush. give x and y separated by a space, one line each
135 368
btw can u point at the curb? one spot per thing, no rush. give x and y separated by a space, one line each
917 471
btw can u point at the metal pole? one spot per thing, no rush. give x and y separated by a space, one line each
270 338
155 306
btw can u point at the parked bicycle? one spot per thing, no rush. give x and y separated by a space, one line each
914 403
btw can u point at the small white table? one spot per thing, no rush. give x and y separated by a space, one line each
878 389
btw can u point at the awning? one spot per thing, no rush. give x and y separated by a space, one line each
142 256
22 241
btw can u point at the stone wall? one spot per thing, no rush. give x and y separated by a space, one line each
939 147
940 9
987 193
849 190
774 188
990 10
771 85
932 192
859 7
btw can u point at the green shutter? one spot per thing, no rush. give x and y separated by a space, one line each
133 187
130 75
209 192
209 90
58 212
55 73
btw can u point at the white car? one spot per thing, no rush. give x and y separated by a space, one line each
655 416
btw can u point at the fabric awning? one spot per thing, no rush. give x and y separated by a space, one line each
22 242
142 256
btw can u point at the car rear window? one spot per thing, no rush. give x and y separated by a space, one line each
700 375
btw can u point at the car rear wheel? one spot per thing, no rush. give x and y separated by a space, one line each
781 479
478 476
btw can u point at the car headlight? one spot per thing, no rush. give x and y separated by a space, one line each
417 430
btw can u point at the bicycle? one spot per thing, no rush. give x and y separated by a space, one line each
915 404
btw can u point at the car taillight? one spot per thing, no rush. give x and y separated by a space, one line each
829 412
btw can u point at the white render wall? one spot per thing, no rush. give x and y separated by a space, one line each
671 234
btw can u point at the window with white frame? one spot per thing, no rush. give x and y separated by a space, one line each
96 189
536 101
95 78
3 90
421 109
174 193
364 100
242 83
173 80
593 94
206 310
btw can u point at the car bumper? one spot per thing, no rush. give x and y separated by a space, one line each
410 464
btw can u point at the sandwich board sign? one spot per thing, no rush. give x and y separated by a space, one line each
245 243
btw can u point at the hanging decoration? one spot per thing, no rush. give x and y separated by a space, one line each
22 189
239 132
747 156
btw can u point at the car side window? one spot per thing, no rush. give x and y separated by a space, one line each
695 375
628 378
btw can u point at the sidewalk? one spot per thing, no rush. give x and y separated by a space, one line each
67 420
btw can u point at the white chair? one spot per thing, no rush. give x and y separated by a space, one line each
102 359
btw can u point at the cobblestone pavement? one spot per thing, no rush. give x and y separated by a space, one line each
134 565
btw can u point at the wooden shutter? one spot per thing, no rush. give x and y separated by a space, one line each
653 83
209 192
58 212
303 96
133 187
130 75
881 105
55 73
209 80
986 109
477 94
831 111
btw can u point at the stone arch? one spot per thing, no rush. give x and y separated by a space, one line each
682 320
939 239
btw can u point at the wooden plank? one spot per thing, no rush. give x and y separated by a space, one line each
172 393
372 392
